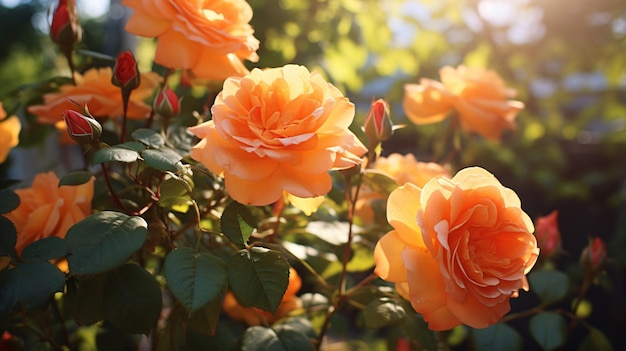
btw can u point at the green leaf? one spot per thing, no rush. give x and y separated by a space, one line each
9 200
76 178
45 249
378 182
174 191
104 241
258 277
115 154
163 159
497 337
204 320
30 284
383 312
237 223
149 137
8 237
284 338
86 299
549 285
548 329
195 278
132 299
133 145
596 341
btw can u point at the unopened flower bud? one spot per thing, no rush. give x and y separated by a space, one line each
126 72
65 29
593 257
166 103
378 126
81 128
548 234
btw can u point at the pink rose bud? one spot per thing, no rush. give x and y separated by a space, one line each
593 257
65 29
378 126
126 73
166 103
81 128
548 234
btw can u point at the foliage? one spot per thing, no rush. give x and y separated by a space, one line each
165 243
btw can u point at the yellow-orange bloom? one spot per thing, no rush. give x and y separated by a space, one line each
95 90
210 38
275 131
49 210
401 168
9 133
459 250
254 316
479 96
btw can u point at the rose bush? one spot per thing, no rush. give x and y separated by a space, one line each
9 133
479 96
460 248
278 130
209 38
49 210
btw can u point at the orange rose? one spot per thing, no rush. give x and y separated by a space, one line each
460 248
103 99
9 133
478 95
254 316
402 169
278 130
211 38
49 210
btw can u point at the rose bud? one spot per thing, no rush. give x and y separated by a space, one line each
81 128
65 29
548 234
593 257
126 73
166 103
378 126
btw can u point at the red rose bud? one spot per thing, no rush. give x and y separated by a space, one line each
65 29
81 128
166 103
378 126
126 73
593 257
548 234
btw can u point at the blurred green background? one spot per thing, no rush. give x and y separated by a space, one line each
566 59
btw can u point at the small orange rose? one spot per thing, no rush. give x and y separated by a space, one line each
479 96
49 210
255 316
460 248
95 90
9 133
275 131
210 38
401 168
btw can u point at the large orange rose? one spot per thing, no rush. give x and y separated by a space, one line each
103 99
460 248
49 210
9 133
479 96
401 168
211 38
275 131
254 316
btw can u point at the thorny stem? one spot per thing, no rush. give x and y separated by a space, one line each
346 257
